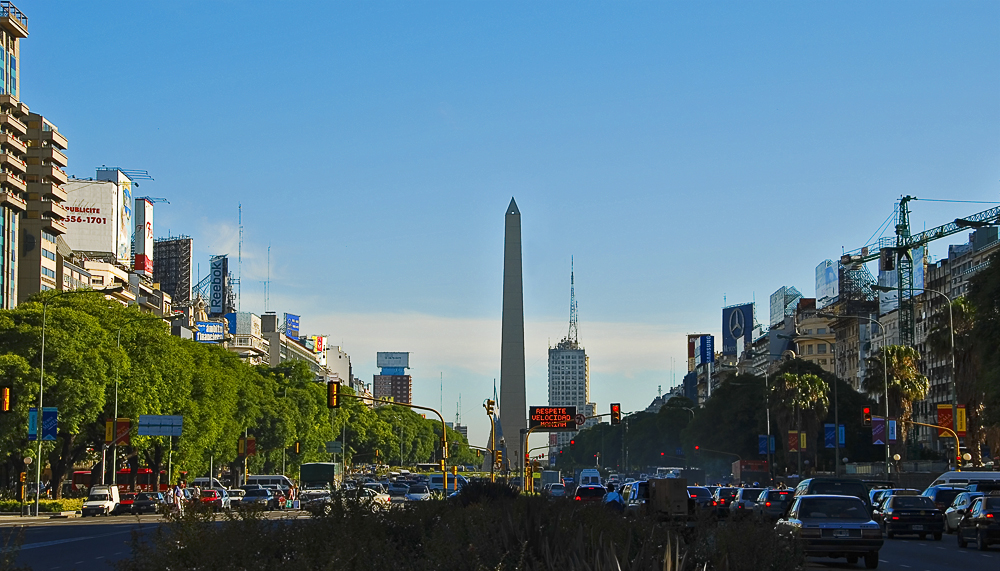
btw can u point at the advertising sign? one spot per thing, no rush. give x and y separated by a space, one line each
396 359
737 323
292 326
93 209
209 331
123 426
888 300
827 283
50 423
918 267
144 237
961 420
552 417
160 425
218 289
109 431
704 350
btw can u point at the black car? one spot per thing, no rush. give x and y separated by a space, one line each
148 502
723 499
943 496
772 504
912 514
833 526
835 486
701 498
981 523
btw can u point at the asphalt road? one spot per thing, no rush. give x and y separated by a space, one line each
923 555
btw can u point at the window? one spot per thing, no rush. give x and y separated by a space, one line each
48 272
47 236
48 254
821 331
809 349
821 348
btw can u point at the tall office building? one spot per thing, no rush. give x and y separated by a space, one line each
13 131
569 375
395 388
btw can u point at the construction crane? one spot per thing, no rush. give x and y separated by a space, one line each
897 252
152 199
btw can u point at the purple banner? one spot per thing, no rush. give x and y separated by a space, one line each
878 431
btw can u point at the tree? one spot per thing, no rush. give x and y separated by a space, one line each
906 384
799 401
984 296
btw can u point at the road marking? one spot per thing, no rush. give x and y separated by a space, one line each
901 565
61 541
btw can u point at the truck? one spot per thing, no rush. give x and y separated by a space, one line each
750 471
320 473
667 498
102 500
551 477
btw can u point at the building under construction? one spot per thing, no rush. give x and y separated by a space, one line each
172 268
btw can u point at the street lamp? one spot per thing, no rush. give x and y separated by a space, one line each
885 380
951 331
41 380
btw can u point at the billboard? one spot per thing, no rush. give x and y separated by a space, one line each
704 347
918 267
209 331
397 359
552 417
99 217
888 300
219 286
144 237
737 323
292 326
243 323
827 283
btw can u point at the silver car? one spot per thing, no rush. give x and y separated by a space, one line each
957 510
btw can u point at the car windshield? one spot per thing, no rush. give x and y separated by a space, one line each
128 496
993 503
779 496
832 508
699 493
591 492
856 489
142 497
912 502
257 493
751 493
418 489
727 493
558 487
98 498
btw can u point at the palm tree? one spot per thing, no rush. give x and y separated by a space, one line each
967 367
906 384
799 401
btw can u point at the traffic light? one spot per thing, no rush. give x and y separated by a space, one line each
697 448
454 470
527 461
498 457
867 419
23 476
442 464
616 413
489 406
5 399
333 394
298 447
572 444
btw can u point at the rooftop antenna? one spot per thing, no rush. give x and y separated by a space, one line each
239 276
442 390
267 283
573 335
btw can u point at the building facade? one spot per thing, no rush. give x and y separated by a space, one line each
815 341
173 268
394 388
569 385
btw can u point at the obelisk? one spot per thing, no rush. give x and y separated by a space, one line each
513 408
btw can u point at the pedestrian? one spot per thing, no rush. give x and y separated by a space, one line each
613 499
178 499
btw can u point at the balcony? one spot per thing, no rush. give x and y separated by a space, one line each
14 124
11 142
13 19
48 173
8 180
48 190
53 136
53 225
12 201
8 101
49 208
12 163
50 154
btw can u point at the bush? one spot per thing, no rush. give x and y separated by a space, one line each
48 506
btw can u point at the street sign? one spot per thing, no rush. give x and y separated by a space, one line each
581 419
335 447
552 417
160 425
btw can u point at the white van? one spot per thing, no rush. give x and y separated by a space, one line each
203 483
102 500
965 478
590 477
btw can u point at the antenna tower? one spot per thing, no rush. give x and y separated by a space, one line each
239 258
573 333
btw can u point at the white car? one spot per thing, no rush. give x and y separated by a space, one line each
102 500
418 493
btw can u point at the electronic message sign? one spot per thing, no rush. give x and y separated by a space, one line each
552 417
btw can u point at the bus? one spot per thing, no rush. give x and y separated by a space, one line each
144 480
271 481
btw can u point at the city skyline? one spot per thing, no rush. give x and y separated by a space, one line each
673 150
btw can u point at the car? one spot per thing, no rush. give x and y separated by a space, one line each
590 476
399 488
701 497
915 515
772 504
375 500
554 490
943 495
101 500
723 499
436 482
635 495
957 510
833 526
379 488
744 501
125 504
590 493
835 486
981 523
217 498
418 493
260 497
235 496
148 502
882 498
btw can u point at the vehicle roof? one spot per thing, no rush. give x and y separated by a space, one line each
829 496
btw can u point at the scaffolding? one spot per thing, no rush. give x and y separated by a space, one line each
173 258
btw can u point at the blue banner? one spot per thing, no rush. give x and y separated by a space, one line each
892 430
50 423
878 431
292 326
843 436
772 444
828 436
762 444
32 423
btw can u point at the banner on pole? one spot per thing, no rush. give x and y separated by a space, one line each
32 423
793 440
878 431
944 418
892 431
803 441
762 444
50 423
829 436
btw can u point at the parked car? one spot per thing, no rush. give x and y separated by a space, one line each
723 499
772 504
981 523
590 493
911 514
835 486
943 495
218 499
148 502
125 503
744 501
102 500
261 497
957 510
418 493
235 497
834 526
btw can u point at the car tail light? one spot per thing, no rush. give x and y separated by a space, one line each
715 503
577 498
989 515
895 517
807 532
767 504
739 506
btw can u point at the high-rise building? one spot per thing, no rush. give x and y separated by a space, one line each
395 388
569 375
172 269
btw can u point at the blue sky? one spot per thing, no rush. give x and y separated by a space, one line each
684 153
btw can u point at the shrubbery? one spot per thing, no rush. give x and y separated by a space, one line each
50 506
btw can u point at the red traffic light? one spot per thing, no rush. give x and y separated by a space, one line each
867 410
696 447
661 453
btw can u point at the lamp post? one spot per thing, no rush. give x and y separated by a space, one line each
885 381
954 376
41 381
